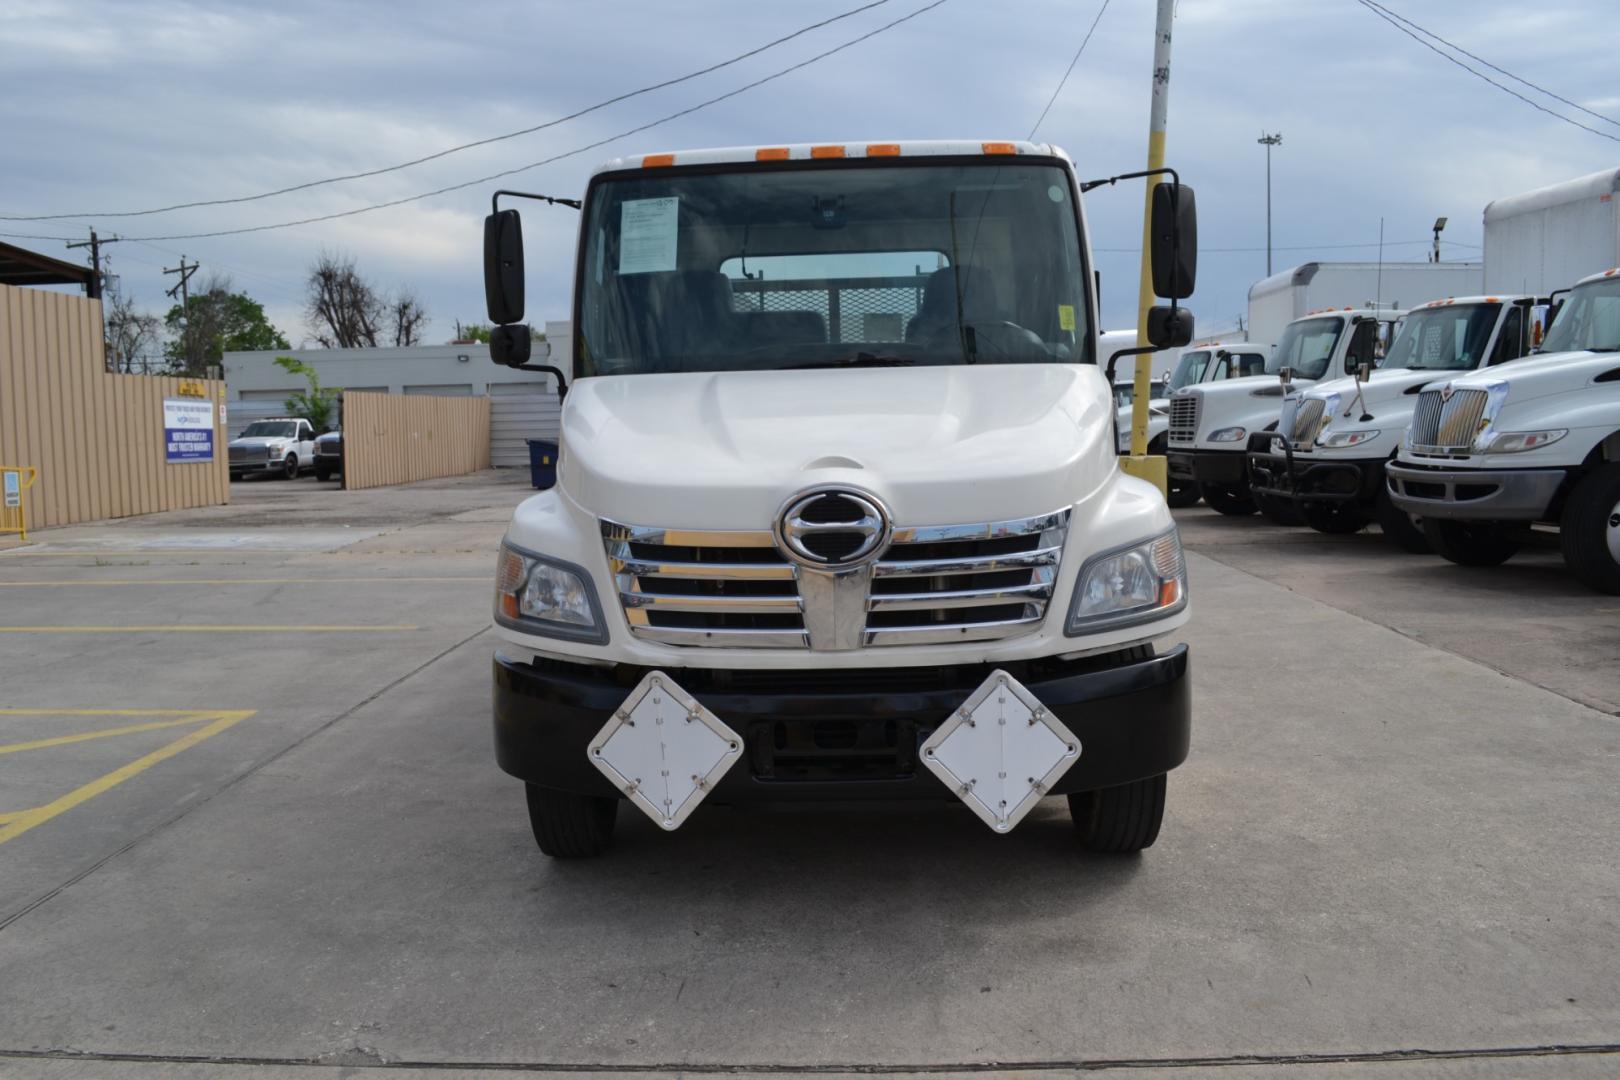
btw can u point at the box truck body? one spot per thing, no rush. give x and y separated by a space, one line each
1554 236
1276 301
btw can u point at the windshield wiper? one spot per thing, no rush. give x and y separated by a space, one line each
860 359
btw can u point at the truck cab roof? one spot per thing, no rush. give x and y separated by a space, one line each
905 148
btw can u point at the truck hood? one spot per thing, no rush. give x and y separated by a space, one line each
939 445
257 443
1537 376
1382 386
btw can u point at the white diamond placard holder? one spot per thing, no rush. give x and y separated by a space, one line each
1001 751
664 750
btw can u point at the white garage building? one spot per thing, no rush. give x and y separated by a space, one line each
523 404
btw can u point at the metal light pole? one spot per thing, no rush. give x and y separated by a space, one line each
1268 141
1439 224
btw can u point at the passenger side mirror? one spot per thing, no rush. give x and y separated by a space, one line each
1169 327
1173 244
503 271
509 345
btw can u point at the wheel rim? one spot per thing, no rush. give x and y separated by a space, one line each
1612 532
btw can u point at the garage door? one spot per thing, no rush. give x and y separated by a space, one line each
520 411
254 405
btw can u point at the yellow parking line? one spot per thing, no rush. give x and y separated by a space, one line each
88 553
195 714
263 629
86 736
14 823
481 579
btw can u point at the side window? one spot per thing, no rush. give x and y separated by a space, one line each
1363 346
1223 368
1510 345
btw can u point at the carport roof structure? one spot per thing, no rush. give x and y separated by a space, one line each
19 266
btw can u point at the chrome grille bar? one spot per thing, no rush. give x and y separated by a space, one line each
1448 427
1307 416
1184 410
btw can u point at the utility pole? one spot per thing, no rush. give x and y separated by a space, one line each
1138 462
1268 141
182 288
94 244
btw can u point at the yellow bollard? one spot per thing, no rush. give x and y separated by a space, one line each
14 480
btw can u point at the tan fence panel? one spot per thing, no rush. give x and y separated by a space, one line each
400 438
96 438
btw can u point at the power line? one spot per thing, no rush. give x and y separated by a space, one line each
1499 70
1294 247
1376 10
464 146
1070 71
555 157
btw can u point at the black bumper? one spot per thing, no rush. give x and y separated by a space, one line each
846 735
1226 468
1299 478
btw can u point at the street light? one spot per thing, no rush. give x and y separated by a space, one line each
1268 141
1439 225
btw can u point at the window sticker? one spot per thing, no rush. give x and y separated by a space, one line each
1066 316
647 235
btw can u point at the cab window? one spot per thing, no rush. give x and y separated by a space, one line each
1510 342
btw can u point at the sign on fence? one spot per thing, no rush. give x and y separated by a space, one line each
188 429
13 490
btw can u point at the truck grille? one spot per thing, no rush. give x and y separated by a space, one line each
250 453
1184 409
1307 416
1447 427
734 589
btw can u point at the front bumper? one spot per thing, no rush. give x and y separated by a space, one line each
244 468
1307 478
1474 494
846 734
1223 467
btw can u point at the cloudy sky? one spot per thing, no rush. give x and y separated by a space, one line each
130 104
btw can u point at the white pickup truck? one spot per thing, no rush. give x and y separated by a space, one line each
839 514
1333 440
276 447
1210 424
1492 452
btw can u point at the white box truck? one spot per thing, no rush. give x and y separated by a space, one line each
829 526
1545 239
1278 300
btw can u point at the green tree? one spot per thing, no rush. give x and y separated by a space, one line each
317 404
217 320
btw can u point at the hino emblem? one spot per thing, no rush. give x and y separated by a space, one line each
833 528
1446 391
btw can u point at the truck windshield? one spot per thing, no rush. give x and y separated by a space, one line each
828 265
1306 347
1190 369
1589 319
1444 338
269 429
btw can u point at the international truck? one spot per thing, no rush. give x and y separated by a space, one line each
1493 452
1332 441
838 513
1291 294
1210 424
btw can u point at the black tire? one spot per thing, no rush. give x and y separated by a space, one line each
1228 501
1335 519
1119 819
1590 530
322 474
1473 543
569 826
289 468
1279 511
1399 527
1181 494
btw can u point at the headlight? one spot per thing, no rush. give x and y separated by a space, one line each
278 451
1129 585
1512 442
545 596
1227 434
1339 439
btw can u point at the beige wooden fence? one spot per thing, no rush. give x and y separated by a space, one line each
399 438
96 438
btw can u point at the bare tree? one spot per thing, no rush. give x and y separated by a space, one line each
131 335
345 311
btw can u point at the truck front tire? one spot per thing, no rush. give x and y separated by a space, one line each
1590 530
1181 494
1335 519
289 468
1120 819
1398 526
1228 501
1472 543
569 826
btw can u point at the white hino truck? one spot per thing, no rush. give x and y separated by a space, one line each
1332 441
1210 424
1490 453
838 513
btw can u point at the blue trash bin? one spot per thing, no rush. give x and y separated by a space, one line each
542 463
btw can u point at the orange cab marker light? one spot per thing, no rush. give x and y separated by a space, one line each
1000 148
826 151
771 153
883 149
657 161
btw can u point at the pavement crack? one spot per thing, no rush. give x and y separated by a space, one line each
256 767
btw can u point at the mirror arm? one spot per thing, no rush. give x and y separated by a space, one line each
1112 360
1175 178
495 199
562 383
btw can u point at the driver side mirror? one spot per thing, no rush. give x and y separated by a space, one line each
1169 327
510 345
503 270
1173 241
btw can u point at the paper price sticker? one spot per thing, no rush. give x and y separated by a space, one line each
1066 316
